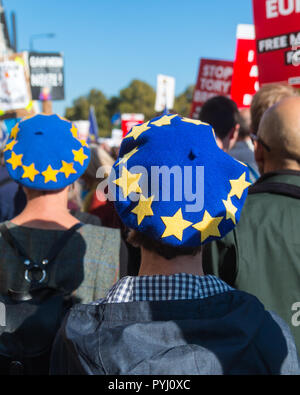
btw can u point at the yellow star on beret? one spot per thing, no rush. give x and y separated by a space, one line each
165 120
10 146
127 156
79 156
50 174
194 121
83 143
143 209
138 130
230 209
30 172
209 226
129 182
67 169
74 131
175 225
14 132
15 160
238 186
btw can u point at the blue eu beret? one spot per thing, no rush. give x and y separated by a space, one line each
43 152
174 184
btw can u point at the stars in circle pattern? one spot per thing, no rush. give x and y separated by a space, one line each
49 174
176 225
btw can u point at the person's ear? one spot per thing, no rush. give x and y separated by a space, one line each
232 137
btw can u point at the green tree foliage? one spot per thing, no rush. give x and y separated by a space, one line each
138 97
81 107
183 102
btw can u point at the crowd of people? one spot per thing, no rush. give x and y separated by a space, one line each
141 284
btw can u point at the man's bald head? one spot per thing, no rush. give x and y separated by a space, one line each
280 130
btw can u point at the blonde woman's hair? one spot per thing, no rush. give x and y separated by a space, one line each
267 97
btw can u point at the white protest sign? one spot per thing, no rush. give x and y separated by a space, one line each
165 93
83 128
13 87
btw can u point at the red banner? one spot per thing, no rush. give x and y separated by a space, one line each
245 72
131 120
278 40
214 79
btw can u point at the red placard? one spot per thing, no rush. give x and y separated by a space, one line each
245 72
131 120
214 79
277 24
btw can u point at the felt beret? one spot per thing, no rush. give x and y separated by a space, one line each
44 153
173 183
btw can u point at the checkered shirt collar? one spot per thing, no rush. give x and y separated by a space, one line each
180 286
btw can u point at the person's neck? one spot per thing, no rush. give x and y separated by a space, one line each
153 264
270 167
46 212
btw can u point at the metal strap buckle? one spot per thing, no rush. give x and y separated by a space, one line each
33 267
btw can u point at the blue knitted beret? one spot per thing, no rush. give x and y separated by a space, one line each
43 152
173 183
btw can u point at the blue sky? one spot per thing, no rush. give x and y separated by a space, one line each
107 43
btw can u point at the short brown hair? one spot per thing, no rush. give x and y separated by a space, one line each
168 252
265 98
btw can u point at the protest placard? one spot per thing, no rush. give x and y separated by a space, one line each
14 93
278 40
46 76
214 79
245 72
131 120
165 93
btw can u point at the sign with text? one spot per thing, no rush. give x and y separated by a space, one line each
214 79
165 93
131 120
278 40
46 76
245 72
13 86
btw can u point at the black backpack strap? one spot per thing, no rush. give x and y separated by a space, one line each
276 188
5 181
30 265
14 244
60 244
